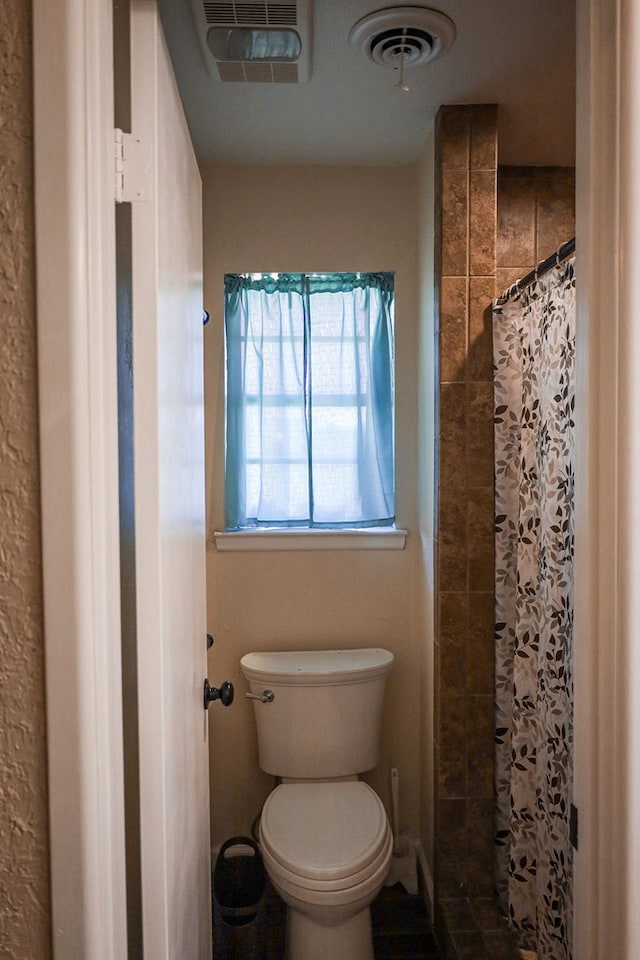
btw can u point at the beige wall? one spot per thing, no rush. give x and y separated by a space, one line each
24 865
295 219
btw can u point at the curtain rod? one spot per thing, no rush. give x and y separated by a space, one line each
564 251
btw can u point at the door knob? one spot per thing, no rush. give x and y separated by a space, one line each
224 693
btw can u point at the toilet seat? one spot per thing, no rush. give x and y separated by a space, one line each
325 836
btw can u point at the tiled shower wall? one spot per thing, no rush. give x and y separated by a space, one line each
492 227
536 213
466 163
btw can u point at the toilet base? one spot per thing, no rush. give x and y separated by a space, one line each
309 940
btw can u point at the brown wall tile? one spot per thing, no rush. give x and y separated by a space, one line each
452 774
481 644
452 545
555 209
479 876
479 746
488 914
482 223
516 241
481 622
436 697
453 137
459 915
452 455
482 290
453 328
454 617
451 848
480 665
506 276
455 223
453 671
480 520
483 143
480 465
536 213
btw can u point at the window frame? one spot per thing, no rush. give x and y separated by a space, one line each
320 535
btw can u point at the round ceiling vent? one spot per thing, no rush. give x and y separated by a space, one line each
403 36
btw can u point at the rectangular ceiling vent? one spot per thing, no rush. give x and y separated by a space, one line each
246 41
241 13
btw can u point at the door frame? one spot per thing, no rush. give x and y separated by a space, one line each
607 607
77 379
73 81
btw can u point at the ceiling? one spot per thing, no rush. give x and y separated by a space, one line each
519 54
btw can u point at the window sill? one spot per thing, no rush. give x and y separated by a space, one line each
373 538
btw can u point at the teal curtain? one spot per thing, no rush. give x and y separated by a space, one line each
310 439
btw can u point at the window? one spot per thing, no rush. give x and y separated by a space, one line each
309 400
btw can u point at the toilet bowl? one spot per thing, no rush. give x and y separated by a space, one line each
327 849
324 835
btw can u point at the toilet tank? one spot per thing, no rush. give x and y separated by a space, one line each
324 719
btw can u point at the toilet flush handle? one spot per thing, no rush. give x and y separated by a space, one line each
267 696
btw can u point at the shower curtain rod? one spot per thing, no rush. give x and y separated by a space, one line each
564 251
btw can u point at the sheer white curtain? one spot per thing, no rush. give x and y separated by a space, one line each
309 400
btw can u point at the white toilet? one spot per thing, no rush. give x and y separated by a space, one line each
324 835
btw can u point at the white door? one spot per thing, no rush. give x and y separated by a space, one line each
169 510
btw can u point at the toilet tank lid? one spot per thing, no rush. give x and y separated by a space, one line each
317 666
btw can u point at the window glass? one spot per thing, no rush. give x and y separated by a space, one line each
309 437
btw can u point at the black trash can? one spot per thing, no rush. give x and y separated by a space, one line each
239 895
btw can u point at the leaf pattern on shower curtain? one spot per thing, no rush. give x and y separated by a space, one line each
534 352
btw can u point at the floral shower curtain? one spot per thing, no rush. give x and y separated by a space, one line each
534 449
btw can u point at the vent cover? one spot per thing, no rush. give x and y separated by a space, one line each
403 36
243 13
415 45
265 15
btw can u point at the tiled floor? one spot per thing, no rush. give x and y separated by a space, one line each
473 929
401 931
401 927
